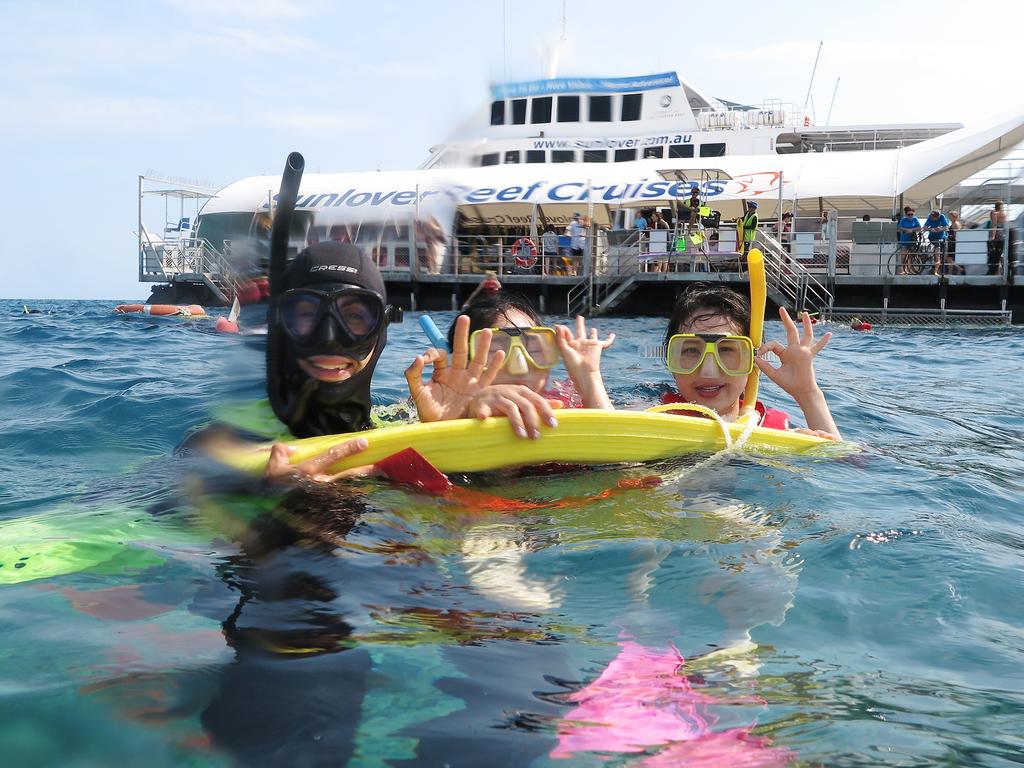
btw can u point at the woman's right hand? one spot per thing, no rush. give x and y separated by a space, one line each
279 467
453 386
525 409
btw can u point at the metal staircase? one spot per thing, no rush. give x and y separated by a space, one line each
610 294
600 293
579 301
790 285
219 275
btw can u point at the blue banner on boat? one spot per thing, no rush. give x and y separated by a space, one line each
584 84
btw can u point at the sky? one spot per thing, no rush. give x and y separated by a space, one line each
93 94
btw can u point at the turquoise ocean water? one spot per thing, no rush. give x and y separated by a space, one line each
859 611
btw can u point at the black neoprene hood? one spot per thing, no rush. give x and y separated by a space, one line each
308 406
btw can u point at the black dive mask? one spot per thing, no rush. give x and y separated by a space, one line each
346 321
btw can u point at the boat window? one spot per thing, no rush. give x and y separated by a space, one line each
512 157
221 227
624 155
568 109
563 156
658 152
497 113
519 111
535 156
681 150
712 150
541 110
491 158
600 109
631 106
595 156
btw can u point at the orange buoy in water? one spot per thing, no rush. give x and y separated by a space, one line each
223 325
161 310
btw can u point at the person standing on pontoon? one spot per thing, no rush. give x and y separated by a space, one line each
658 222
997 223
784 229
908 228
937 227
952 268
577 233
746 228
693 209
548 249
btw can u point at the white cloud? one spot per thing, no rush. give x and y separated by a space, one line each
59 113
150 115
243 41
249 10
312 122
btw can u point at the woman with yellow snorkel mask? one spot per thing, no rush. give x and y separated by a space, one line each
502 355
712 357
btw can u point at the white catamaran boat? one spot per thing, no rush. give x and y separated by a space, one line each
541 152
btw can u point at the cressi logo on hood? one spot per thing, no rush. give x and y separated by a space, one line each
334 268
333 262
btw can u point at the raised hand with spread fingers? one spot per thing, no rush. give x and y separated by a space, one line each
581 353
796 373
455 381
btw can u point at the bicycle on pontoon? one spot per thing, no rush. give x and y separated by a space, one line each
912 258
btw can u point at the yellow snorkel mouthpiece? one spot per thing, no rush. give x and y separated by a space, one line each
758 300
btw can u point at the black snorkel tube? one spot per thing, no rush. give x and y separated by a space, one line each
279 235
283 214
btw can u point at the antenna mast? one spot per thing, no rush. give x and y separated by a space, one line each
556 54
807 98
828 120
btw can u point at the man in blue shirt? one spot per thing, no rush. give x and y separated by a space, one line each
937 227
909 228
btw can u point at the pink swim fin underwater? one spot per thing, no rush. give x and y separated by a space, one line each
641 702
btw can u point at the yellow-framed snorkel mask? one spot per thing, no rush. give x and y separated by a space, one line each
686 352
523 347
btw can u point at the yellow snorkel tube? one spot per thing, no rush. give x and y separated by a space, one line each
758 301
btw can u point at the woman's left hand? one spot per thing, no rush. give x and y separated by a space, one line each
796 374
581 353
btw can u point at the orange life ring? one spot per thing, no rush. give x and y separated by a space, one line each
807 121
524 243
161 310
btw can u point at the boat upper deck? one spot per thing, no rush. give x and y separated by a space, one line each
657 116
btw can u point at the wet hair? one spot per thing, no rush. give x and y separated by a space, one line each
491 311
705 300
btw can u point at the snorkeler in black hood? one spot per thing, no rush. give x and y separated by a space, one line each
327 329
